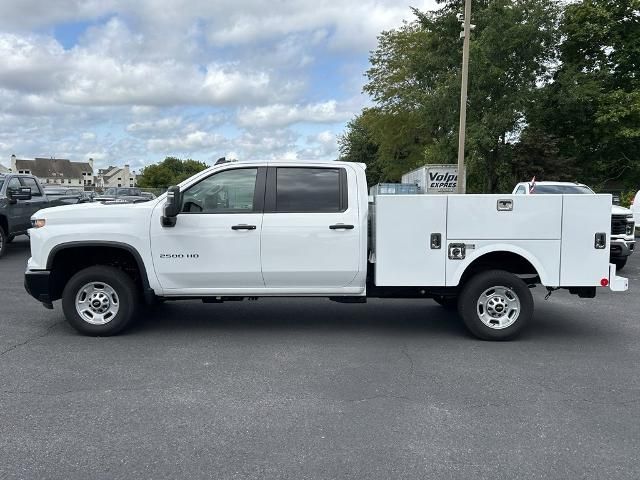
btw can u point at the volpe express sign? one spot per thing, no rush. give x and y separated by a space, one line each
434 179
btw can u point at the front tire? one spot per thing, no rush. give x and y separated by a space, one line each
495 305
100 301
619 263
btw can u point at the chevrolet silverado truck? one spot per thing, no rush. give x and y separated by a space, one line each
21 195
622 242
309 229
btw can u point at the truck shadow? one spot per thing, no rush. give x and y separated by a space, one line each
312 315
423 318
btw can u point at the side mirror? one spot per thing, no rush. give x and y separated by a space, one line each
22 193
172 207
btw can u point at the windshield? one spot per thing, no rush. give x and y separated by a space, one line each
559 189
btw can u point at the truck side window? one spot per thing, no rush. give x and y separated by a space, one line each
14 184
520 190
310 190
31 183
230 191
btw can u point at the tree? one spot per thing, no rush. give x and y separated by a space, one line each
170 171
414 81
593 105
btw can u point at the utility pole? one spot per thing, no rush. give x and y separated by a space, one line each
466 33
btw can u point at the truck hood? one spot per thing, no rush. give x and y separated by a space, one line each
81 212
618 210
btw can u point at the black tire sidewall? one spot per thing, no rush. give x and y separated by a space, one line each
467 304
124 288
620 263
3 241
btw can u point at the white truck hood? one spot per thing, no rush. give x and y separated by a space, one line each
618 210
81 212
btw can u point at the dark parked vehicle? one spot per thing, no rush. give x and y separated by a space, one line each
66 194
123 195
20 197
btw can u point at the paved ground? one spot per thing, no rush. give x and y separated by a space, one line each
312 389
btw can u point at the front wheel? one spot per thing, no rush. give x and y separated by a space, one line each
495 305
100 301
619 263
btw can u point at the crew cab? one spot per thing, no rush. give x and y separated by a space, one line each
309 229
622 242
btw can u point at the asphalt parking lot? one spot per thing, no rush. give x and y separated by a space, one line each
312 389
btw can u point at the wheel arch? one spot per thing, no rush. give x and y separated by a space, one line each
510 258
66 259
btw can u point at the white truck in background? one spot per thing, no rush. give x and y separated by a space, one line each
622 243
302 229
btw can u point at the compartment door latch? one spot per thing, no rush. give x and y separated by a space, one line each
436 241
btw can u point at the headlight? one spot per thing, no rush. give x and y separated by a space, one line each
38 223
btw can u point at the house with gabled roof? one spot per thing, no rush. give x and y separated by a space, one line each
56 171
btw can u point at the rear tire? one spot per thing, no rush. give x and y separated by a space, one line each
100 301
495 305
619 263
3 242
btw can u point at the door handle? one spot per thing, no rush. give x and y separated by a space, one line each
341 226
243 227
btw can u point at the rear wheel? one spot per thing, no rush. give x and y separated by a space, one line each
619 263
495 305
3 241
100 301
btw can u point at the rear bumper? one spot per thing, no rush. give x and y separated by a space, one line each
37 284
616 283
622 248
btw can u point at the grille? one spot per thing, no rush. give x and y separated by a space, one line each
618 224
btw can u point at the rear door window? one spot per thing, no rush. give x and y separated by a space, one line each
310 190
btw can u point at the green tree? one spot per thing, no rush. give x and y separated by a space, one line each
593 105
414 81
170 171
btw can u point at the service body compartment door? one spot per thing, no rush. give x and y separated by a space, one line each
504 217
404 226
583 217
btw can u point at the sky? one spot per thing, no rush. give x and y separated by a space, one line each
131 82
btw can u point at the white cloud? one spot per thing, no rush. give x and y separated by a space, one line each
279 115
198 78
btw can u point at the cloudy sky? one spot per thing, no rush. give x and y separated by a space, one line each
127 81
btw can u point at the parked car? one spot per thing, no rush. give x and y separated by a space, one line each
21 196
66 194
298 229
622 224
122 195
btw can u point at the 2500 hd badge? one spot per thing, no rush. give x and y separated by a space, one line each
179 255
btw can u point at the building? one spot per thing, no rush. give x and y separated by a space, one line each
116 177
56 171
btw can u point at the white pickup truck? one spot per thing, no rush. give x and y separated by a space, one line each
258 229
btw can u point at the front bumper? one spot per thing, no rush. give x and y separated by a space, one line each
37 284
622 248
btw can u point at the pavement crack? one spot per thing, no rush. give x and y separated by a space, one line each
31 339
